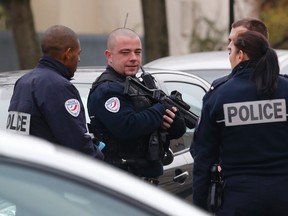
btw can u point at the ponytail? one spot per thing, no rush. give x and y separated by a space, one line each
266 74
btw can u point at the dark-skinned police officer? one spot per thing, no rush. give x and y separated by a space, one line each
45 103
128 125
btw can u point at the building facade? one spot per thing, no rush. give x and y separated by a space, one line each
184 18
190 24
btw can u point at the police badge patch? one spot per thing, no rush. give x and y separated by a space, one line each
112 105
73 107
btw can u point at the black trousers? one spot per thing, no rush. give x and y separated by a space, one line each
255 196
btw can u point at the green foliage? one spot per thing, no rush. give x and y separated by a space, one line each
276 19
208 38
3 19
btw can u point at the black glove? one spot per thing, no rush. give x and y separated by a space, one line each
178 127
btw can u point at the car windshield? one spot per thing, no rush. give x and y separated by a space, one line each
21 188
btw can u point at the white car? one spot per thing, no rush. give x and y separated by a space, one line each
39 178
207 65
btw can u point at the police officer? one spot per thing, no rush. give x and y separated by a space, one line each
45 103
243 122
239 26
127 124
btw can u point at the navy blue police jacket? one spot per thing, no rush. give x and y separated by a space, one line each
47 105
113 112
248 135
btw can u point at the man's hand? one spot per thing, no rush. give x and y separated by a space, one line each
168 118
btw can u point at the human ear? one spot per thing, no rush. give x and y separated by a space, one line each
241 56
108 55
67 53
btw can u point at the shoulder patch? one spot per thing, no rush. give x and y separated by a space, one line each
112 105
73 107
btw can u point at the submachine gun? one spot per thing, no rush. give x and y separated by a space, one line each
150 90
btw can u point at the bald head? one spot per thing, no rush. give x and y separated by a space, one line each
124 51
119 32
57 39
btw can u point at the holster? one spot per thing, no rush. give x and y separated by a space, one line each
158 146
215 190
154 147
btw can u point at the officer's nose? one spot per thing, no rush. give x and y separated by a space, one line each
133 56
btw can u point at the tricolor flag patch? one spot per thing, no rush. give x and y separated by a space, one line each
73 107
112 105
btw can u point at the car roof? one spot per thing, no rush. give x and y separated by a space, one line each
88 74
40 152
10 77
216 59
202 61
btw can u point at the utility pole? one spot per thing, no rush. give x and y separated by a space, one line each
231 14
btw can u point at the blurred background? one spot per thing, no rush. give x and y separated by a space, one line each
166 27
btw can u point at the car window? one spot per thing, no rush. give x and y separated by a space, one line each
192 94
32 192
209 75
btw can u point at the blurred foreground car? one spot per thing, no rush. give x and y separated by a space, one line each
207 65
38 178
177 175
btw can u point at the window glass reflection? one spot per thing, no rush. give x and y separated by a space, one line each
28 192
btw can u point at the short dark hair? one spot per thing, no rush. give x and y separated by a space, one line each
252 24
57 39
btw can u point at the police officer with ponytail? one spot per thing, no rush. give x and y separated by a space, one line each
136 132
244 123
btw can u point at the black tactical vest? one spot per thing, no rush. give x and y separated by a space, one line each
139 148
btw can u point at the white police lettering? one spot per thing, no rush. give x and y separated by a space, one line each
18 122
255 112
112 104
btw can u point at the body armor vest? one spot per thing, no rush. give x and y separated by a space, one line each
136 150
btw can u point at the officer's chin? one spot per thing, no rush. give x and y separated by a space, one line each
131 73
72 73
131 70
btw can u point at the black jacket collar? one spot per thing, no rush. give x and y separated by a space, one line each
53 64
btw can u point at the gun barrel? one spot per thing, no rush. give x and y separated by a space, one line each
157 95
